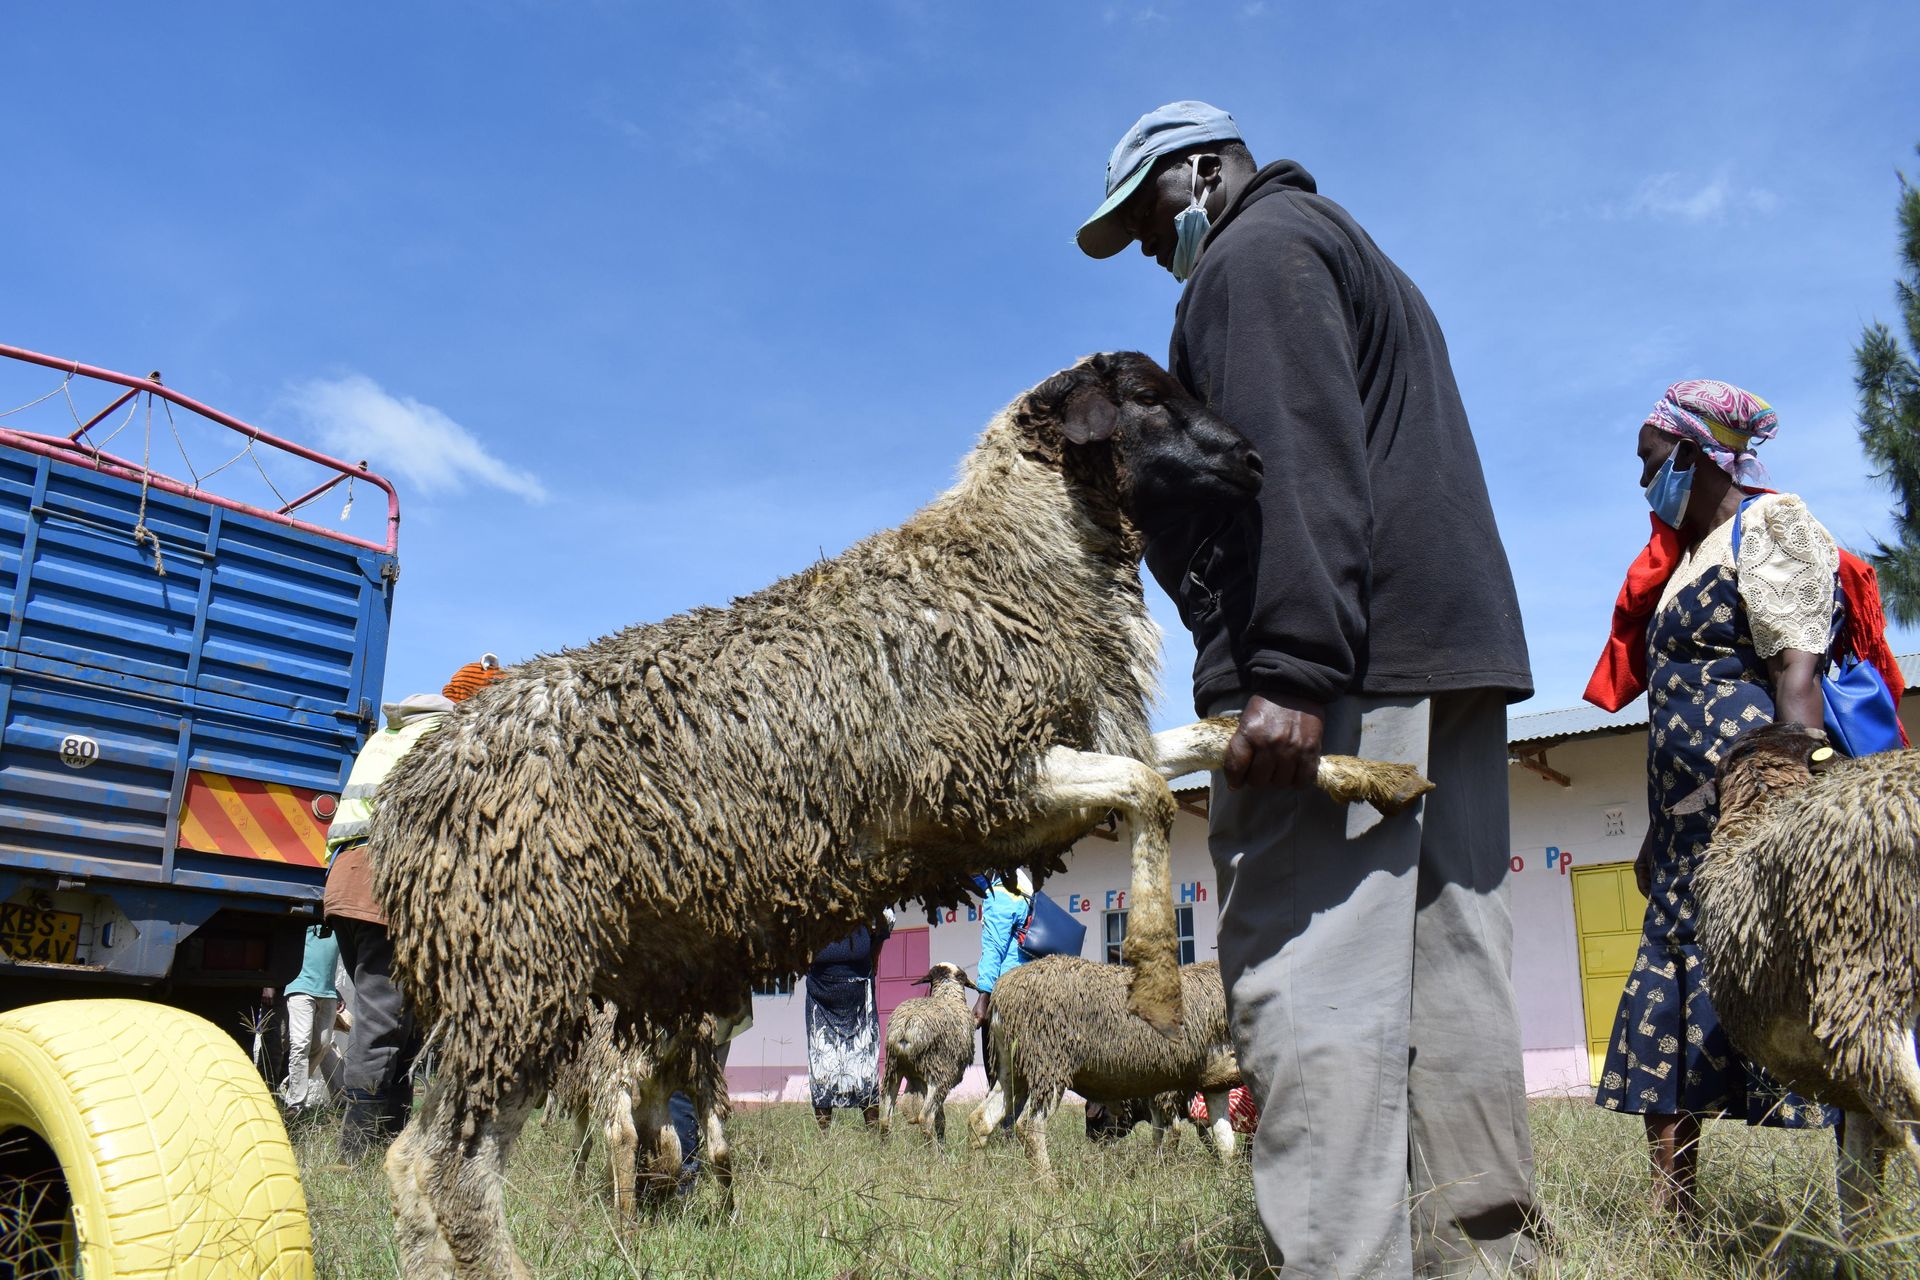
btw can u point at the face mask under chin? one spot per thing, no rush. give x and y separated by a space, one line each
1189 228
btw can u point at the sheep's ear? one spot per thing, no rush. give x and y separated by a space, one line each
1089 414
1695 801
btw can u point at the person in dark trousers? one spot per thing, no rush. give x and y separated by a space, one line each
383 1038
1364 605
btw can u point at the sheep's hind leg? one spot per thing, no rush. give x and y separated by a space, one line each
988 1115
1220 1123
423 1249
1202 745
1086 781
582 1142
623 1147
933 1114
449 1190
1032 1128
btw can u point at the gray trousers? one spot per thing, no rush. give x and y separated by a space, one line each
1366 962
383 1041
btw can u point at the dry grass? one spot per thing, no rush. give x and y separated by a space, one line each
849 1205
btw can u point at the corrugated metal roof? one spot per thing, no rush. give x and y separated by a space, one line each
1585 721
1575 722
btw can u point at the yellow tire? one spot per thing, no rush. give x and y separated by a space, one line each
171 1151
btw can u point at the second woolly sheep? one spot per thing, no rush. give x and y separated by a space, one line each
1062 1023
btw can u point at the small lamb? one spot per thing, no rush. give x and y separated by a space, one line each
930 1046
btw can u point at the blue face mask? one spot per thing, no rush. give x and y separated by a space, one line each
1668 493
1189 229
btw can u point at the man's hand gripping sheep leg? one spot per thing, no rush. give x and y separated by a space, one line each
1202 745
1090 782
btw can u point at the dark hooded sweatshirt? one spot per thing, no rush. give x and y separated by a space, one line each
1370 563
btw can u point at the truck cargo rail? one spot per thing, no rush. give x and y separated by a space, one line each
73 449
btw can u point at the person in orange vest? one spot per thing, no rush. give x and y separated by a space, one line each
383 1038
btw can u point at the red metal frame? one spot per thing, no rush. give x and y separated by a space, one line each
67 449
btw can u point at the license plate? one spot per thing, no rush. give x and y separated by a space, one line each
28 933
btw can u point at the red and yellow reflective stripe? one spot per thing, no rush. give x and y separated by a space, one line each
243 818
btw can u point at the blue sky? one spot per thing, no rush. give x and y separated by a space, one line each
644 306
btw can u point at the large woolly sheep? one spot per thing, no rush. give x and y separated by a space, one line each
622 1075
929 1046
657 815
1810 928
1062 1023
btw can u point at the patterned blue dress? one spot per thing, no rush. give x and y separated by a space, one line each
1668 1053
843 1021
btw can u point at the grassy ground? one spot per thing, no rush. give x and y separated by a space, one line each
847 1205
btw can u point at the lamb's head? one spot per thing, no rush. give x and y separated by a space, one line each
1123 430
943 978
1763 762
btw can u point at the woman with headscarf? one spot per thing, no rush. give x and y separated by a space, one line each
1722 642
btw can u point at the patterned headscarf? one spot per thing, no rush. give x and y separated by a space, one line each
1726 422
472 678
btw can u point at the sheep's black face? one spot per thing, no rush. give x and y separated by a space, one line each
1771 747
1171 457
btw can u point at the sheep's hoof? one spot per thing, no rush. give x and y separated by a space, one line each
1389 787
1401 785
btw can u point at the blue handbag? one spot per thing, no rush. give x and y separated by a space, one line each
1862 716
1049 930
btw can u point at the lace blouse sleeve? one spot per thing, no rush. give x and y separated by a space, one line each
1786 573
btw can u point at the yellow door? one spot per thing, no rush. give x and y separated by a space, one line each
1608 911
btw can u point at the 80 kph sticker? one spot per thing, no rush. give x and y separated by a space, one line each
77 751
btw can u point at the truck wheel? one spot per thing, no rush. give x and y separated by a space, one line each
137 1141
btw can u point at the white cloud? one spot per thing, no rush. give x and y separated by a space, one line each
354 417
1679 197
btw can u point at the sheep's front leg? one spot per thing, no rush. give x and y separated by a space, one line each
933 1110
1202 745
1083 780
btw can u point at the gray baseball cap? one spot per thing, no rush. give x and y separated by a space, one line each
1174 127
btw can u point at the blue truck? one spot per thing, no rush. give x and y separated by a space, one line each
185 679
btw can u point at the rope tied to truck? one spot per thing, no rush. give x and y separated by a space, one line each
140 531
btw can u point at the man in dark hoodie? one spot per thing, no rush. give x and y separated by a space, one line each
1364 605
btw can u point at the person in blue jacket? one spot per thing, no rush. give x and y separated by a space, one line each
1001 915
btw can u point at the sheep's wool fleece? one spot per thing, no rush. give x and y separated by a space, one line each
1062 1022
678 806
1810 924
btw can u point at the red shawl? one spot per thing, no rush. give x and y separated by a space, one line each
1621 674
